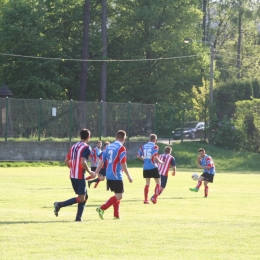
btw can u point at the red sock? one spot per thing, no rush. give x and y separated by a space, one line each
116 206
89 177
199 184
206 191
96 184
110 202
146 190
156 191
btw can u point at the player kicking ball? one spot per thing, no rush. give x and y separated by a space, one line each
206 163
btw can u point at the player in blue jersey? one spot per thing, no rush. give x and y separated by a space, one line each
149 154
206 163
102 173
115 157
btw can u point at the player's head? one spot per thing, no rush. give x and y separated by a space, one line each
121 135
153 138
167 149
106 144
84 134
99 144
202 152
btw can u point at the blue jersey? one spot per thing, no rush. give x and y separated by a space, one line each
114 155
94 156
149 151
208 161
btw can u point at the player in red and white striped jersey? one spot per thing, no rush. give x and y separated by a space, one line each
169 161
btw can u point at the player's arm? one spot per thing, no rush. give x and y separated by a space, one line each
140 155
207 166
100 164
173 170
67 162
84 164
156 158
124 168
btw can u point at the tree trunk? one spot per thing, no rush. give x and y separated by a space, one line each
84 53
204 9
103 76
239 42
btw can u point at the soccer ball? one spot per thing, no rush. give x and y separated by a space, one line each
195 176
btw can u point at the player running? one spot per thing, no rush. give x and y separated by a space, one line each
115 156
169 161
149 154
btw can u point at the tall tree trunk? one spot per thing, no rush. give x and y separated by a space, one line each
204 9
84 53
84 67
239 42
103 80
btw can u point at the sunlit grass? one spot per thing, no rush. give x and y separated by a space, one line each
182 225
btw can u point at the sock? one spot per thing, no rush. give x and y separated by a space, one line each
156 191
116 206
199 184
89 177
68 202
161 190
146 191
96 184
206 191
81 207
110 202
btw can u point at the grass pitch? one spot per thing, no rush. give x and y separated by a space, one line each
182 225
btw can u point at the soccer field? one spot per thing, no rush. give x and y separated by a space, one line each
182 225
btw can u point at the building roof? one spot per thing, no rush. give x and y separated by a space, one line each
5 92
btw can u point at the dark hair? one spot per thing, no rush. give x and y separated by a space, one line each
84 134
153 137
121 134
201 150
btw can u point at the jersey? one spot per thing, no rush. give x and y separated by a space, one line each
94 156
149 151
208 161
76 152
114 155
104 166
169 161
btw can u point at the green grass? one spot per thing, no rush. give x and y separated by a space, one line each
182 225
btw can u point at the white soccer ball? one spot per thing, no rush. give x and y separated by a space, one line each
195 176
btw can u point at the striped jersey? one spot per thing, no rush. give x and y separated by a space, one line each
94 156
76 152
149 151
114 155
208 161
169 161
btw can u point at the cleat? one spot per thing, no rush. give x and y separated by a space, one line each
89 183
116 218
78 220
194 189
205 196
56 208
146 202
153 200
100 212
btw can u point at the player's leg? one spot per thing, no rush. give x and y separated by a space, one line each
146 190
206 189
81 206
101 177
200 180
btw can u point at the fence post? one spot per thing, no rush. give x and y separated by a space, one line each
128 121
100 121
6 118
156 118
39 119
182 126
70 133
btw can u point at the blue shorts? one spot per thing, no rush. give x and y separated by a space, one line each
164 181
79 186
103 172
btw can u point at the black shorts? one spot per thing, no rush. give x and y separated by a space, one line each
93 169
164 181
116 186
103 172
79 186
153 173
208 177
